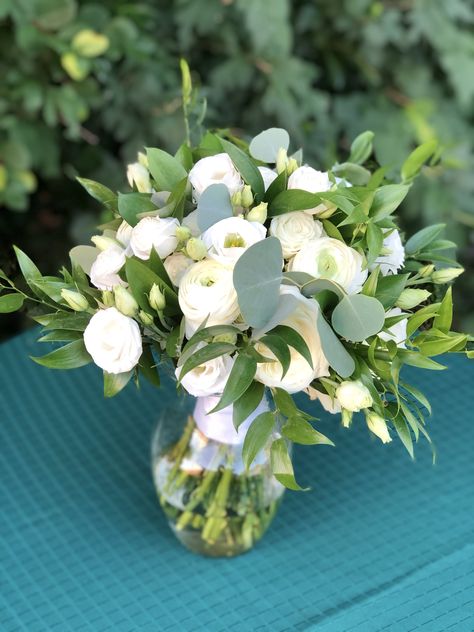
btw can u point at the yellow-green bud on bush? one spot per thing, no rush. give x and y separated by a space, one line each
183 233
104 243
230 338
138 175
108 298
346 417
28 180
446 275
258 213
282 160
236 198
292 166
377 425
89 43
196 249
125 302
246 196
3 177
76 67
156 298
145 319
75 300
426 271
411 297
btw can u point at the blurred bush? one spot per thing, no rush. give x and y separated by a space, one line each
85 85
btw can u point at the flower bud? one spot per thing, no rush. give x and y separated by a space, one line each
108 298
236 198
156 298
377 425
445 275
145 319
183 233
282 160
327 209
246 196
230 338
353 395
258 213
138 175
292 166
125 302
346 416
410 298
75 300
142 159
196 248
104 243
426 271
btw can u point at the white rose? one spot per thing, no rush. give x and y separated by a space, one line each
308 179
113 340
394 260
124 234
104 270
207 291
268 175
209 378
397 332
353 396
154 232
328 258
294 230
330 404
228 239
139 176
218 169
300 374
191 222
176 265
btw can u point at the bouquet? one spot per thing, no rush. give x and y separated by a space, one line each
251 272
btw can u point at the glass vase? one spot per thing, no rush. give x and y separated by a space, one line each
213 504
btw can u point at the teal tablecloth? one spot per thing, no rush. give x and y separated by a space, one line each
380 543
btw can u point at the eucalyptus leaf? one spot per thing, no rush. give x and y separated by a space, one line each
287 303
214 204
357 317
334 351
282 467
310 288
257 436
265 146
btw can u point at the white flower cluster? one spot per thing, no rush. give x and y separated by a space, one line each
200 265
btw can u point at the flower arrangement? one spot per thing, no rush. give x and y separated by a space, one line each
250 270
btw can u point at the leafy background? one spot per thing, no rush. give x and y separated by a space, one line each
324 71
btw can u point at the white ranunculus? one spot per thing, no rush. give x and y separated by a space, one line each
104 271
228 239
300 374
328 258
207 291
330 405
176 265
139 176
209 378
190 221
124 234
353 395
308 179
154 232
113 340
218 169
268 176
394 260
294 230
397 332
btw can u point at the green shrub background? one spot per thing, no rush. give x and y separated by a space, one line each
72 104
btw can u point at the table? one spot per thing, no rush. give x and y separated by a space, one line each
380 543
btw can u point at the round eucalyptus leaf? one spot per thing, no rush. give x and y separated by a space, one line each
265 145
357 317
213 206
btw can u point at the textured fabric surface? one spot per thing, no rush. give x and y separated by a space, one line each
380 543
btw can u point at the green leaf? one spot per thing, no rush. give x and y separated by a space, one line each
404 433
265 146
389 288
71 356
301 431
417 394
412 165
84 257
156 265
370 286
132 204
28 268
310 288
214 205
280 350
177 200
240 378
99 192
293 339
354 173
11 303
357 317
209 352
63 320
246 168
257 437
284 402
141 280
115 382
412 358
287 304
438 346
147 366
62 335
293 200
210 332
166 170
277 186
423 238
421 316
387 199
247 403
444 317
361 148
282 467
374 237
258 273
334 351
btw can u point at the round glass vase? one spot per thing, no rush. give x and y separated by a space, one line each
213 505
